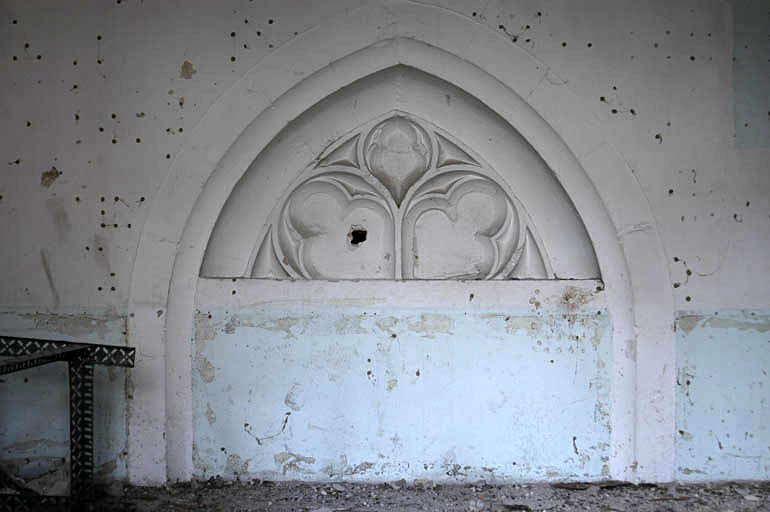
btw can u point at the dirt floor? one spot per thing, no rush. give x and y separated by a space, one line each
219 495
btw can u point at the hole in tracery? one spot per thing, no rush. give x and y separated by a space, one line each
357 235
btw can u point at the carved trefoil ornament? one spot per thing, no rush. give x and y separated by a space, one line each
399 199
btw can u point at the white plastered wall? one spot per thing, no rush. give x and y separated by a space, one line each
630 103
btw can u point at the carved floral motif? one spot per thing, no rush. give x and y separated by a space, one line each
407 203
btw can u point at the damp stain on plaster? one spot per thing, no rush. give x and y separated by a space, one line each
187 70
687 323
574 298
59 217
293 462
76 326
349 324
47 178
236 465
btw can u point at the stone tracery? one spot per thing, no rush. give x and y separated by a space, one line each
428 210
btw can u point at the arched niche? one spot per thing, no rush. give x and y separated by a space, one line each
343 49
438 183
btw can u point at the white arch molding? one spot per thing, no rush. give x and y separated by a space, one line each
488 67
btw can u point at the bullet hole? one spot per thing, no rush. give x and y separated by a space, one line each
114 115
589 45
393 335
112 274
677 285
668 57
688 272
417 373
74 86
232 34
112 288
259 33
88 248
141 199
116 199
748 203
246 22
602 99
38 56
128 226
270 21
29 123
233 292
737 217
614 111
102 212
671 191
168 156
659 138
368 372
98 38
655 45
114 140
103 225
473 14
114 225
99 288
692 57
100 249
181 130
676 259
692 34
101 199
270 45
470 297
14 58
98 61
232 59
688 298
77 199
357 235
563 45
14 22
633 112
138 140
101 129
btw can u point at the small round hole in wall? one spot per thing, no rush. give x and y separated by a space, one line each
357 235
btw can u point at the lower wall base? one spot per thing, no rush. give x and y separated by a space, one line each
723 395
381 394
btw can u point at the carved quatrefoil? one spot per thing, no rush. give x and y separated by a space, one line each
420 207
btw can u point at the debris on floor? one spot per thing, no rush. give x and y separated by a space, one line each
217 494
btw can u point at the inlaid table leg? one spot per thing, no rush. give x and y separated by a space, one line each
81 376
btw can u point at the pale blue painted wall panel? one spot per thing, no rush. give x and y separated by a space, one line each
381 394
723 388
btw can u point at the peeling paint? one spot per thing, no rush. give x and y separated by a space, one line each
431 323
48 177
211 417
293 397
187 70
206 370
292 462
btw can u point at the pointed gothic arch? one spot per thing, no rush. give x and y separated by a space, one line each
250 115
